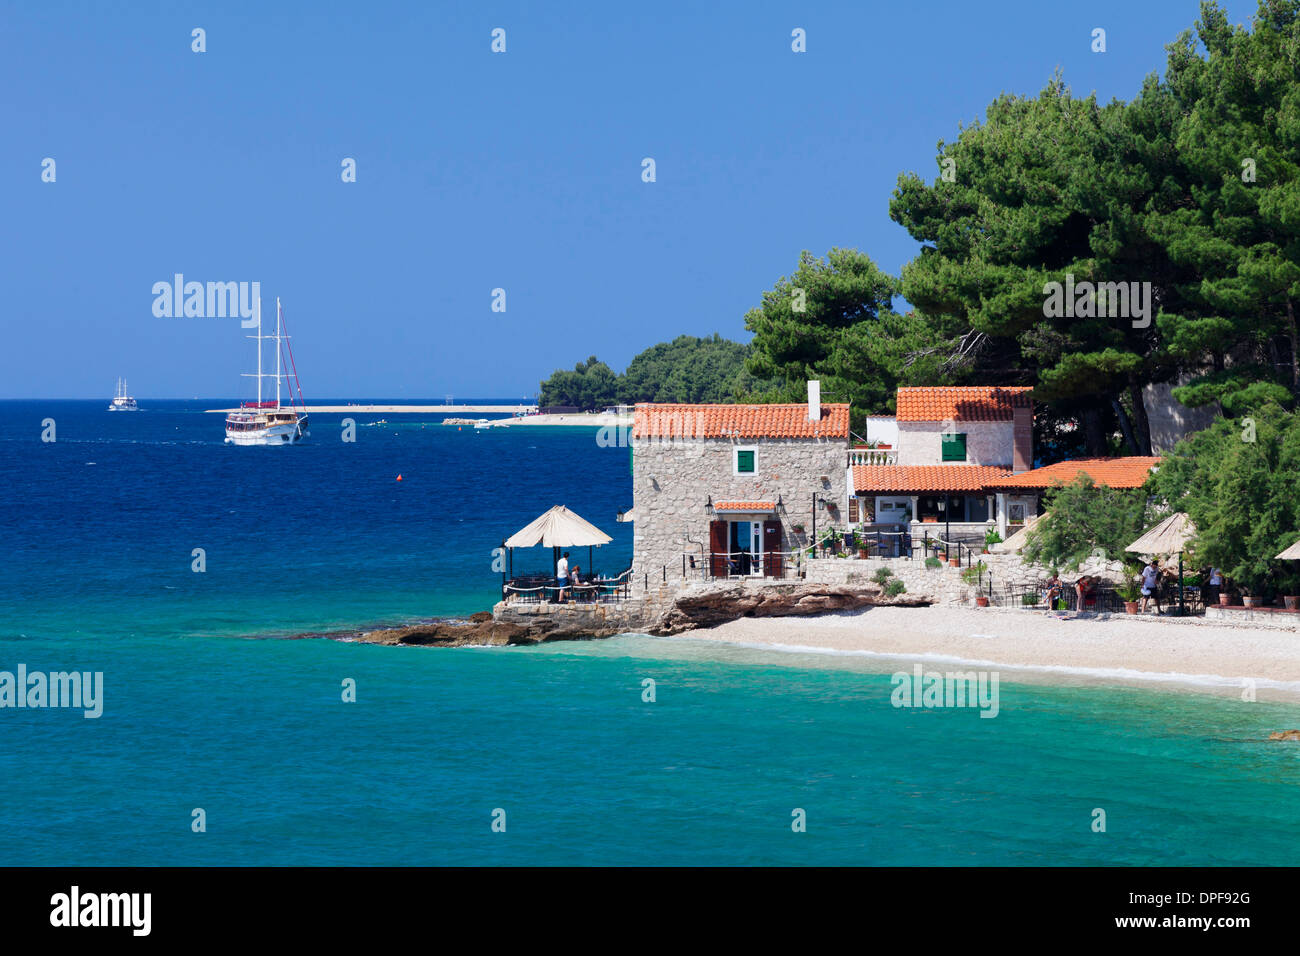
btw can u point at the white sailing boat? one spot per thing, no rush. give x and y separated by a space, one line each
270 422
122 402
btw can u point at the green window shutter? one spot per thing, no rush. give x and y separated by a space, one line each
745 462
954 447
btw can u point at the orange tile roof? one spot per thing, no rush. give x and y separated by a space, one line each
962 404
1130 472
745 506
738 421
921 478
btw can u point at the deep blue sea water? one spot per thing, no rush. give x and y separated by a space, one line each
207 705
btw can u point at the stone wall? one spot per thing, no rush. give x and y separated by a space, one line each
944 584
672 479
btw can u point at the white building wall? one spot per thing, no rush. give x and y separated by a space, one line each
987 443
882 429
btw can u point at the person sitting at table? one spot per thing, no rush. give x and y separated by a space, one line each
1053 590
575 581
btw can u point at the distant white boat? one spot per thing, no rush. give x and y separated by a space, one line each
122 402
270 423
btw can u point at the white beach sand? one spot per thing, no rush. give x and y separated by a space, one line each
1107 648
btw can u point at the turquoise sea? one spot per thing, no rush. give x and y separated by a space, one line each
208 704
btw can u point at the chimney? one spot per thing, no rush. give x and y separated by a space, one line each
814 401
1022 436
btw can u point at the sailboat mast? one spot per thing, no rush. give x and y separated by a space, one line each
277 351
259 351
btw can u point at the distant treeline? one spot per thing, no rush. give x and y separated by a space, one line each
687 369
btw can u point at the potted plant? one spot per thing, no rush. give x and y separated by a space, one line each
1129 592
1248 599
991 539
1287 584
955 561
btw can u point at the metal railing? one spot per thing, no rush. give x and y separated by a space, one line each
532 590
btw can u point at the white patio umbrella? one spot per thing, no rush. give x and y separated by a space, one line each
1168 537
557 528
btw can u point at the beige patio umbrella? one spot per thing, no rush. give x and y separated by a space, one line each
1290 554
1168 537
1018 540
557 528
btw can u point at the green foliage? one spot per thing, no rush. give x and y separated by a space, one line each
992 538
882 575
895 587
1192 186
833 320
591 385
933 562
1083 518
687 370
690 370
973 573
1241 496
1129 590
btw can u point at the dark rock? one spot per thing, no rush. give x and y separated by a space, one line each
717 605
449 634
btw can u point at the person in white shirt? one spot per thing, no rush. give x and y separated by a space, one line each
1151 585
562 575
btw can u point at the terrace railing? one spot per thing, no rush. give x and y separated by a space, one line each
873 456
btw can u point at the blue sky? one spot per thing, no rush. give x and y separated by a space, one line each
476 171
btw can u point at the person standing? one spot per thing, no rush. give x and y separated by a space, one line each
1213 585
562 576
1151 585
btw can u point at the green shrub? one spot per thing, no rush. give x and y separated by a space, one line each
895 588
1029 599
882 575
933 562
973 573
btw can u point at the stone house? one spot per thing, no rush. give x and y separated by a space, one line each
733 490
942 475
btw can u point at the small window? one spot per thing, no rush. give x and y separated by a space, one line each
953 447
744 461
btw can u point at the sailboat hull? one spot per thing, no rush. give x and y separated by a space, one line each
265 430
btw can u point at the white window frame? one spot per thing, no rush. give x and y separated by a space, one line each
735 460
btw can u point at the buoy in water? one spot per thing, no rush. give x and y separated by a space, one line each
399 477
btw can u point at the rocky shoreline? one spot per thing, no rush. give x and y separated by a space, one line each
695 608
